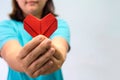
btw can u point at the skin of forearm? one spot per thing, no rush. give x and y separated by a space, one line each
61 46
9 52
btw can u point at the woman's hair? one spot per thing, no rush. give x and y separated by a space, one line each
17 13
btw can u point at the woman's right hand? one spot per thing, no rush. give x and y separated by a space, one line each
36 54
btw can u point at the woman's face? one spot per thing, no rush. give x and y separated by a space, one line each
34 7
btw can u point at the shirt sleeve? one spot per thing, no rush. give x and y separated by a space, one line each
7 32
63 30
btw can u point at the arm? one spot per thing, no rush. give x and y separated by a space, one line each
9 52
61 46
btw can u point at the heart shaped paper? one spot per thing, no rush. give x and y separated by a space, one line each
45 26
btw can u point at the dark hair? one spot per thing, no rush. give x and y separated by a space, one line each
17 13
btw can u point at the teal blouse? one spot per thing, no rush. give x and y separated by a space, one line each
11 29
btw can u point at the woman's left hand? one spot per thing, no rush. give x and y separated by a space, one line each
57 60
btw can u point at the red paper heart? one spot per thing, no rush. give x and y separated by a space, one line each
49 25
45 26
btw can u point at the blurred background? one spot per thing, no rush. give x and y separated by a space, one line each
95 38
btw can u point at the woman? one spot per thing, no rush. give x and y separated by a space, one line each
38 58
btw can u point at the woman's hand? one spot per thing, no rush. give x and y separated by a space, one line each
35 56
57 60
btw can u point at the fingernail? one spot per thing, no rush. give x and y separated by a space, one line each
51 62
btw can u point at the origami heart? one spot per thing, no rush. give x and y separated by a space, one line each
45 26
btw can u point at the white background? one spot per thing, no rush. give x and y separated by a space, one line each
95 38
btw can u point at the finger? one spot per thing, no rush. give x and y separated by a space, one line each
41 61
57 54
30 46
57 63
38 51
43 69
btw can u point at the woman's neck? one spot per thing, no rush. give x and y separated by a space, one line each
36 15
